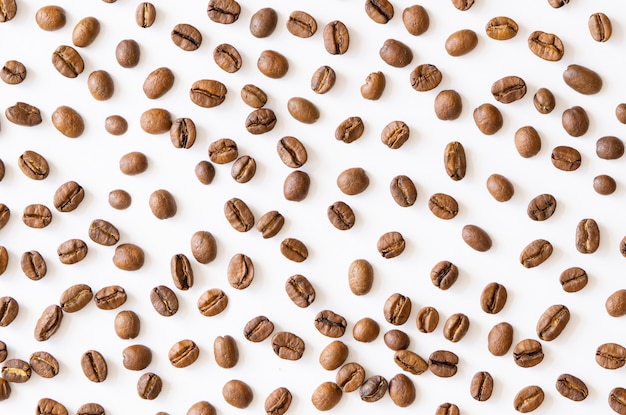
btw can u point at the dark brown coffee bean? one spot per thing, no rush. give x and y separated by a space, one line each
455 327
272 64
100 84
239 215
611 356
23 114
301 24
508 89
341 216
373 388
127 53
396 339
225 351
50 18
223 11
552 322
330 323
212 302
350 129
500 187
68 121
186 37
296 186
203 246
258 329
360 276
541 207
374 86
380 11
207 93
183 353
461 42
454 160
227 57
403 191
415 19
278 401
501 28
326 396
528 353
136 357
240 272
263 22
571 387
253 96
617 400
133 163
544 101
395 134
44 364
110 297
391 244
223 151
582 79
323 79
350 377
115 125
410 362
33 265
85 32
75 298
291 152
33 165
493 298
395 53
365 330
397 309
488 119
528 399
616 304
527 141
16 371
127 324
443 363
500 339
48 406
164 300
481 386
600 27
94 366
36 216
444 274
158 82
260 121
149 386
145 14
294 250
609 148
545 45
303 110
270 224
587 236
72 251
287 345
447 409
333 356
128 257
67 61
243 169
448 105
90 409
476 238
155 121
575 121
573 279
9 308
300 290
13 72
425 77
182 273
103 232
336 38
205 172
566 158
535 253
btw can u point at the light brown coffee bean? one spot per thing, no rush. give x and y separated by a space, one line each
333 356
535 253
527 141
609 148
128 257
587 236
115 125
16 371
4 259
149 386
94 366
380 11
119 199
425 77
272 64
301 24
350 377
67 61
395 134
463 5
528 399
296 186
205 172
303 110
207 93
243 169
14 72
136 357
85 32
461 42
223 11
456 327
68 121
162 204
291 152
410 362
365 330
155 121
258 329
481 386
225 351
544 101
75 298
360 276
287 345
575 121
391 244
240 271
350 129
566 158
611 356
353 181
9 309
127 324
300 290
395 53
270 224
278 401
476 238
127 53
552 322
110 297
454 160
46 406
571 387
263 22
547 46
183 353
501 28
403 191
541 207
227 57
616 303
488 118
35 216
186 36
444 274
72 251
260 121
100 85
604 184
528 353
164 300
600 27
44 364
397 309
558 3
443 363
500 188
326 396
500 339
374 86
50 18
448 105
158 82
212 302
336 38
183 133
427 319
341 215
23 114
238 215
323 79
203 247
401 390
415 19
253 96
33 265
617 400
145 14
582 79
508 89
493 298
396 339
330 323
573 279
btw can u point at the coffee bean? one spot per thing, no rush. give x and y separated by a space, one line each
207 93
443 363
186 37
454 160
258 329
541 207
535 253
448 105
571 387
164 300
447 409
223 151
587 236
227 57
427 319
463 5
44 364
3 351
205 172
622 246
391 244
48 406
488 118
36 216
323 79
415 19
75 298
253 96
573 279
287 345
461 42
552 322
544 101
182 273
455 327
103 232
9 308
94 366
303 110
85 32
127 324
501 28
365 330
13 72
557 3
183 353
240 272
326 396
373 388
360 277
90 409
296 186
493 298
155 121
582 79
444 274
341 216
212 302
50 18
396 339
2 170
350 377
158 82
600 27
528 353
183 133
500 187
380 11
119 199
291 152
575 121
481 386
528 399
270 224
349 130
239 215
127 53
616 303
260 121
395 134
500 339
611 356
225 351
199 408
68 122
149 386
401 390
353 181
395 53
330 323
397 309
508 89
67 61
527 141
4 259
243 169
547 46
609 148
72 251
565 158
301 24
128 257
410 362
278 401
425 77
476 238
333 356
115 125
617 400
110 297
223 11
272 64
403 191
33 165
300 290
263 22
145 14
23 114
16 371
203 246
336 38
33 265
374 86
136 357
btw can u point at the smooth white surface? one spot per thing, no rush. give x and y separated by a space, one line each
92 161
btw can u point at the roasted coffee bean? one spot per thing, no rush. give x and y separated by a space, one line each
272 64
48 406
186 37
391 244
238 215
600 27
350 129
535 253
205 172
13 72
552 322
415 19
410 362
291 152
323 79
50 18
9 308
481 386
149 386
443 206
258 329
115 125
508 89
237 393
227 57
500 187
4 259
609 148
573 279
476 238
330 323
461 42
72 251
396 339
68 121
301 24
33 265
425 77
575 121
444 274
528 399
182 272
212 302
225 351
397 309
528 353
36 216
127 324
207 93
443 363
582 79
488 118
373 388
500 339
136 357
493 298
463 5
85 32
3 351
427 319
360 276
2 170
183 353
365 330
278 401
616 303
336 38
243 169
94 366
622 247
223 151
341 215
571 387
501 28
401 390
127 53
263 22
611 356
333 356
270 224
544 101
100 85
183 133
374 86
119 199
448 105
23 114
223 11
395 53
90 409
527 141
253 96
145 14
287 345
545 45
587 236
155 121
303 110
403 191
350 377
33 165
240 272
67 61
8 10
447 409
300 290
44 364
16 371
541 207
75 298
395 134
296 186
128 257
455 327
198 408
566 158
110 297
557 3
164 300
103 232
158 82
260 121
617 400
353 181
203 246
454 160
326 396
380 11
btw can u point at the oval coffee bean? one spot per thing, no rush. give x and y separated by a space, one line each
223 151
333 356
100 85
501 28
278 401
145 14
303 110
476 238
573 279
443 363
500 187
488 118
9 308
301 24
272 64
158 82
396 339
500 339
587 236
527 141
243 169
36 216
557 3
294 250
444 274
149 386
33 165
75 298
133 163
401 390
536 253
33 265
85 32
155 121
395 134
183 133
207 93
270 224
609 148
528 353
287 345
448 105
164 300
544 101
454 160
90 409
353 181
67 61
326 396
565 158
127 53
50 18
205 172
461 42
48 406
425 77
183 353
253 96
212 302
323 79
223 11
227 57
127 324
182 273
617 400
582 79
44 364
136 357
258 329
23 114
4 259
365 330
16 371
240 272
260 121
341 216
427 319
336 38
94 366
410 362
110 297
72 251
263 22
611 356
616 303
162 204
186 37
415 19
13 72
600 27
391 244
443 206
508 89
493 298
397 309
545 45
330 323
571 387
575 121
456 327
225 351
552 322
403 191
350 377
541 207
360 276
239 215
300 290
380 11
68 196
373 388
128 257
103 232
481 386
350 129
395 53
374 86
528 399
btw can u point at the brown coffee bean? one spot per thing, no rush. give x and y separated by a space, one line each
183 353
350 129
227 57
481 386
617 400
100 85
291 152
401 390
476 238
205 172
3 351
155 121
23 114
600 27
72 251
270 224
243 169
127 53
287 345
353 181
395 134
448 105
326 396
573 279
380 11
33 165
13 72
85 32
278 401
547 46
587 236
455 327
541 207
115 125
119 199
443 206
225 351
36 216
164 300
609 148
50 18
403 191
360 276
501 28
158 82
145 14
395 53
33 265
333 356
253 96
528 353
258 329
263 22
67 61
582 79
508 89
374 86
463 5
527 141
330 323
396 339
162 204
75 298
622 247
94 366
557 3
103 232
183 133
9 309
296 186
207 93
127 324
341 215
4 259
149 386
300 290
203 246
16 371
500 187
444 274
616 304
223 11
136 357
410 362
454 160
373 388
272 64
544 101
68 122
301 24
443 363
500 339
110 297
212 302
611 356
186 36
128 257
620 112
528 399
566 158
391 244
323 79
552 322
90 409
397 309
223 151
303 110
182 273
575 121
415 19
260 121
48 406
350 377
44 364
240 272
461 42
238 215
535 253
427 319
365 330
493 298
425 77
488 119
571 387
336 38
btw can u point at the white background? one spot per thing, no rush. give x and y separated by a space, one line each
92 161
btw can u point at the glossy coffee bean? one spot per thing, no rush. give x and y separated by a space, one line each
547 46
333 355
500 339
127 53
461 42
501 28
263 22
